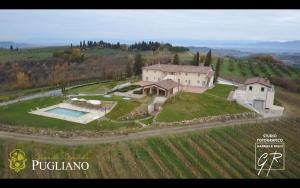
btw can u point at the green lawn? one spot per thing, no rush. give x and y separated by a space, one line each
99 88
221 90
123 107
17 114
187 106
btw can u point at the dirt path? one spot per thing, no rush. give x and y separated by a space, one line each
130 136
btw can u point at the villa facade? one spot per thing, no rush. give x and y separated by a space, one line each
178 76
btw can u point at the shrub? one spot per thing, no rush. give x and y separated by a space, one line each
138 92
128 88
4 98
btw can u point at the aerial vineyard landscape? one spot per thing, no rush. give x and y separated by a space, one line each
213 153
88 103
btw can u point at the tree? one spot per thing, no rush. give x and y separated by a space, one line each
138 64
196 59
84 45
128 70
217 71
80 45
176 59
207 62
11 47
71 46
22 80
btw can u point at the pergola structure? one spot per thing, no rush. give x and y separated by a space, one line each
165 88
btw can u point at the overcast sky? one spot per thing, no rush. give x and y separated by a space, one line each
162 25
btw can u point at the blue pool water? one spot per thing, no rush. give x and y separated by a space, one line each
66 112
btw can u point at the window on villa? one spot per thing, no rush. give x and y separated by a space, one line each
250 88
185 81
198 74
198 82
154 71
203 83
262 89
189 82
178 80
146 70
179 73
158 79
186 73
146 78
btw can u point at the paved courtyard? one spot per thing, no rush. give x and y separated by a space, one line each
193 89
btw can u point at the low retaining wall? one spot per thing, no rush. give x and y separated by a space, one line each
220 118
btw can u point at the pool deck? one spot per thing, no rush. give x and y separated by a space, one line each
87 118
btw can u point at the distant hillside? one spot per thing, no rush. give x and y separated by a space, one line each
220 51
249 46
7 44
289 58
289 46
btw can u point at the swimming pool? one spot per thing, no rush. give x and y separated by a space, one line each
66 112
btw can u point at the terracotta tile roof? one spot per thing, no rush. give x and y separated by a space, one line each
258 80
180 68
166 84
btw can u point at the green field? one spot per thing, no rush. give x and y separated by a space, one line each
99 88
10 95
186 106
226 152
17 114
240 70
28 54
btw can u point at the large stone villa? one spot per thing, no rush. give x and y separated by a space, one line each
168 79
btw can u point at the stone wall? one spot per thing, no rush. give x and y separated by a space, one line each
208 119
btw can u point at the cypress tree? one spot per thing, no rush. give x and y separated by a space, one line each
217 71
197 59
207 62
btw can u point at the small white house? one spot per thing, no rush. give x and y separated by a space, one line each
257 93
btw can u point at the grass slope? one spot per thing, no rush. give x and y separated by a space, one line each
186 106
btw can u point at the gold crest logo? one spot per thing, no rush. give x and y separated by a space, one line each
17 160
